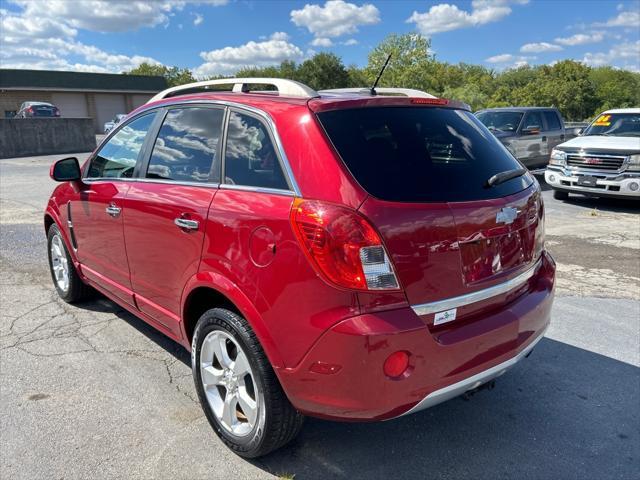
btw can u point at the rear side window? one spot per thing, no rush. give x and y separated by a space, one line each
553 122
533 121
413 154
117 158
187 146
250 157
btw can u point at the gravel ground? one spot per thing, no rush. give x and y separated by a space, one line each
93 392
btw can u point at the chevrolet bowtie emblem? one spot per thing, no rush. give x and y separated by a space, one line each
507 215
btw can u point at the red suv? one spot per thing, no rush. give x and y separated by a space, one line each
351 255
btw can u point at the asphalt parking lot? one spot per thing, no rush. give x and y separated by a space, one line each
89 391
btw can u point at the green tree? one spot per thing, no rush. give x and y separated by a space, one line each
173 75
410 62
322 71
615 88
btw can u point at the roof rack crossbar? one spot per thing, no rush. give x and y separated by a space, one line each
289 88
407 92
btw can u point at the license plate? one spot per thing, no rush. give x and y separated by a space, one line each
585 181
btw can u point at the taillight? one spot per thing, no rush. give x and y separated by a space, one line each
342 245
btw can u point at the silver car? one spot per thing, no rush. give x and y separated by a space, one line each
112 123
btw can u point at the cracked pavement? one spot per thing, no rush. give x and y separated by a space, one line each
90 391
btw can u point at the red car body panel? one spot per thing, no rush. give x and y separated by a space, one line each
245 249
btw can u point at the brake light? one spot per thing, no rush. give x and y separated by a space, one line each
342 245
430 101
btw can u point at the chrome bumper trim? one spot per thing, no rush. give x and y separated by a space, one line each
455 302
472 382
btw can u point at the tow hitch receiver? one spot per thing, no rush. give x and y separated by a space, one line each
490 385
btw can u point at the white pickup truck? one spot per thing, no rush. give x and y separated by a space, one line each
604 161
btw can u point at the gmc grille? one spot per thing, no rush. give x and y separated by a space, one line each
595 161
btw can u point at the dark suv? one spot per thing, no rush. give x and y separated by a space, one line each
343 255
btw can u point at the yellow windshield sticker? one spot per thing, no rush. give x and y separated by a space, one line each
603 121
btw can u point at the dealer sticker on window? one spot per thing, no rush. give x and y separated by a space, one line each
444 317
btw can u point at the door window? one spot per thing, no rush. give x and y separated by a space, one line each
533 121
553 122
250 157
117 158
187 146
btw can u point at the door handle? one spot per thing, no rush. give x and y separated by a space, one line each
187 224
562 137
113 210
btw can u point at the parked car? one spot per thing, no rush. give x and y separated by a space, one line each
342 255
37 109
529 133
603 162
108 126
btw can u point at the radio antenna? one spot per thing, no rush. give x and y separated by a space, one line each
375 84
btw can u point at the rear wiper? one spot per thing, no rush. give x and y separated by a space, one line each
502 177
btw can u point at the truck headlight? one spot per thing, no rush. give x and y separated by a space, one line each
558 157
634 163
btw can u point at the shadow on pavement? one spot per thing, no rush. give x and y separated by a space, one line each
563 413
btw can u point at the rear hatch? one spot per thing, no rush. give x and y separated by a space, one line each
426 171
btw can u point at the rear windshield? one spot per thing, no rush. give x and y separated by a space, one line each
412 154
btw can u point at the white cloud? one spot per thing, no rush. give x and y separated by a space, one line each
198 19
630 18
502 58
445 17
321 42
351 41
279 36
626 55
580 39
507 60
260 54
41 43
540 47
107 15
335 18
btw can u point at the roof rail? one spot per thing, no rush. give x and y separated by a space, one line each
407 92
289 88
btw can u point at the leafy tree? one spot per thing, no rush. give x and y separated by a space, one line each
322 71
410 62
173 75
615 88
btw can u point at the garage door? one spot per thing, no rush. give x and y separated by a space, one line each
71 105
108 105
138 100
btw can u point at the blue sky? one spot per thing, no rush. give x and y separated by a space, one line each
220 36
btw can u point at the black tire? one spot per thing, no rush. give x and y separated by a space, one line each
278 421
560 195
76 290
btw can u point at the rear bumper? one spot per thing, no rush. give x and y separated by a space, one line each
442 365
619 185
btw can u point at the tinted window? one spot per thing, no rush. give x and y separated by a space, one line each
250 158
533 120
505 121
421 154
187 145
117 158
553 122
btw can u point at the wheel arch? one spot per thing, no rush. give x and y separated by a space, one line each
210 290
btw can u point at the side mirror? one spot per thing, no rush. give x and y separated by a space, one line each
579 131
66 170
531 130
